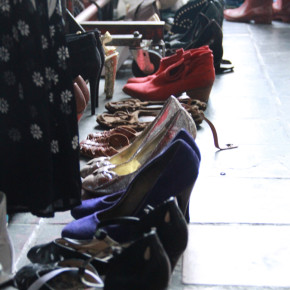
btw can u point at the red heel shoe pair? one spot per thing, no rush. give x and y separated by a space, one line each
191 71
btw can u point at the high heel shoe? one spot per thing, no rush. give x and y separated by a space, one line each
173 172
111 63
107 180
171 106
85 60
91 205
102 55
143 265
194 74
167 218
6 248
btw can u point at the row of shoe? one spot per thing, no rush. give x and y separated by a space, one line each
193 68
123 118
125 115
143 258
131 228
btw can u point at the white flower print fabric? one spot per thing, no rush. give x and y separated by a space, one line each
39 145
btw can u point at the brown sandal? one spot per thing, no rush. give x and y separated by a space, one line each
111 146
100 137
107 143
131 105
127 119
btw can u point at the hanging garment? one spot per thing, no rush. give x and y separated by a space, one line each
39 147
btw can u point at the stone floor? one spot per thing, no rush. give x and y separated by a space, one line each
240 206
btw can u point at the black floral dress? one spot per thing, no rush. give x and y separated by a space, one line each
39 145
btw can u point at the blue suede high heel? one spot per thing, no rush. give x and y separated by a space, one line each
172 173
92 205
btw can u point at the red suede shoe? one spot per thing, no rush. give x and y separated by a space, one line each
193 74
281 10
259 11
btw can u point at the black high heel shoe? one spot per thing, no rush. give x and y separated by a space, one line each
85 60
102 56
168 220
143 265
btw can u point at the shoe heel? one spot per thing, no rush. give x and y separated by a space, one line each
262 20
97 91
94 94
183 201
111 63
201 94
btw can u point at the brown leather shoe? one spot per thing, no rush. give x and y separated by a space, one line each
281 10
259 11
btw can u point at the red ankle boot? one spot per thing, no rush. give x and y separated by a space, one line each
194 74
258 10
281 10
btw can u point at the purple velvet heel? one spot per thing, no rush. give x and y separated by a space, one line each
170 173
93 205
